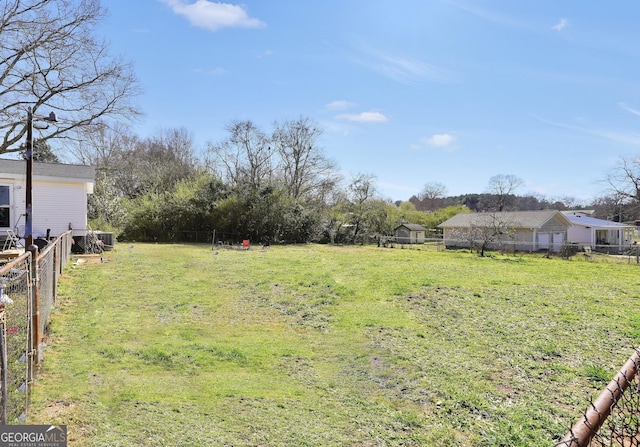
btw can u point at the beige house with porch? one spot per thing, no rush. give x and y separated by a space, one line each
527 230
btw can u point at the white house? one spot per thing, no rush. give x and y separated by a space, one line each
59 197
598 233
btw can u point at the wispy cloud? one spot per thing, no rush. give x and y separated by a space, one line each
340 105
623 106
214 15
405 70
402 69
488 15
618 136
213 72
439 140
364 117
562 24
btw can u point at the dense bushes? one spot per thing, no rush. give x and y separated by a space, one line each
202 203
266 188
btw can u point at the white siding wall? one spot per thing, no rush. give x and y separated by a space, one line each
580 235
55 205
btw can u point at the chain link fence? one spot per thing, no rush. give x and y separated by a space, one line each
631 252
27 296
15 337
613 419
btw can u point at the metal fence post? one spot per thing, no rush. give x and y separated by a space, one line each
588 426
3 366
35 305
57 269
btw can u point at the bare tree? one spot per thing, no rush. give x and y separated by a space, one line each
103 146
246 156
571 202
51 61
134 166
503 186
624 179
431 197
621 199
433 190
485 230
164 159
304 170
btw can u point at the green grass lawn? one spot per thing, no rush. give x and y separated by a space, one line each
175 345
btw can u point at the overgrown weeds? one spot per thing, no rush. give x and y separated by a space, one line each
336 346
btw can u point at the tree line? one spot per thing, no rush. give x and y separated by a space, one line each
619 202
266 186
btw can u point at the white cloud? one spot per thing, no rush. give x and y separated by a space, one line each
214 15
340 105
562 24
365 117
439 140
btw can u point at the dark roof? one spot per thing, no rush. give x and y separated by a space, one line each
59 170
412 227
519 219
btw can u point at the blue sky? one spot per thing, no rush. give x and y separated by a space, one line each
411 91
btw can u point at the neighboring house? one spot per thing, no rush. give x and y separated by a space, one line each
523 230
410 234
59 197
598 233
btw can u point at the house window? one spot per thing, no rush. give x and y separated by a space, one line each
5 207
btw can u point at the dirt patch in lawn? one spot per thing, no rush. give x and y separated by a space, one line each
89 259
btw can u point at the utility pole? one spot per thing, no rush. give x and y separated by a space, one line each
28 228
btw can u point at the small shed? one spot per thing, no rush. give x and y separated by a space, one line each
59 197
410 234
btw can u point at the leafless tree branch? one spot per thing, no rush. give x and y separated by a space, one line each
51 61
